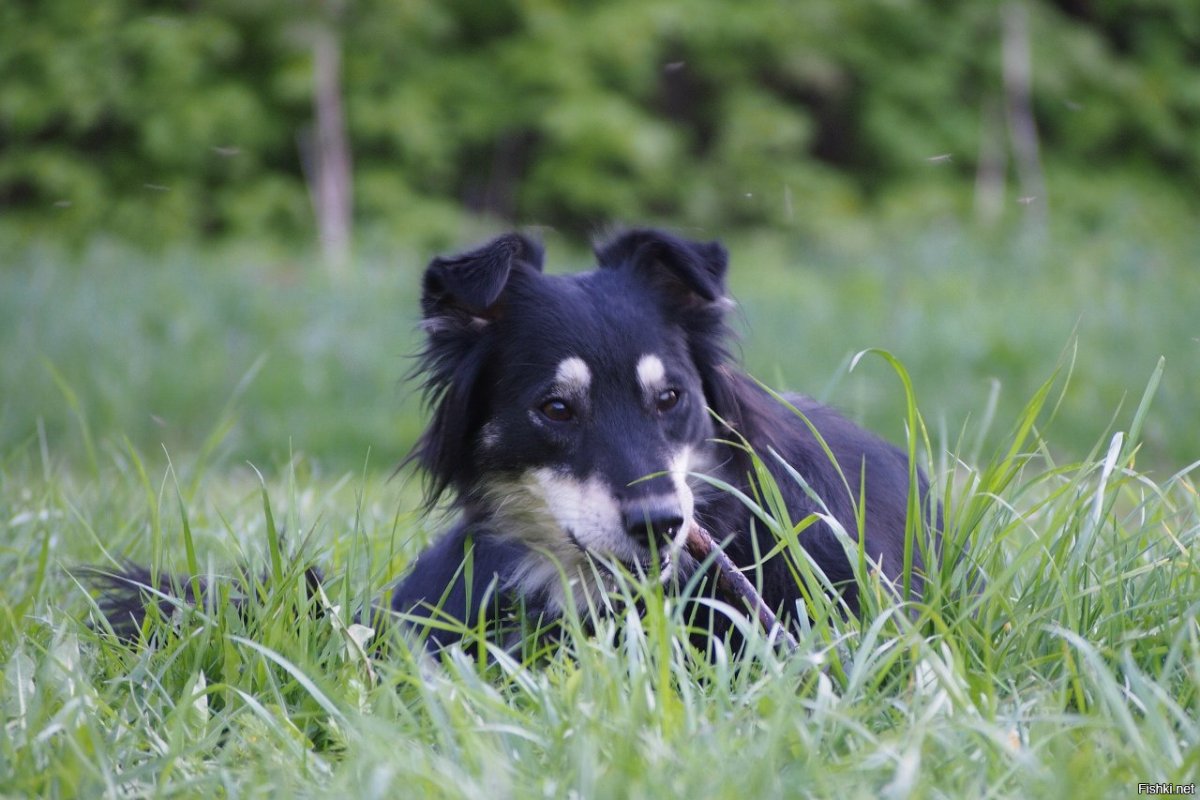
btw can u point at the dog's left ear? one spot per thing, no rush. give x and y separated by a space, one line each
692 272
471 284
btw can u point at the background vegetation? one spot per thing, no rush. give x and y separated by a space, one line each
997 193
866 161
158 121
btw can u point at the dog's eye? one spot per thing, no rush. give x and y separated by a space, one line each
557 411
666 400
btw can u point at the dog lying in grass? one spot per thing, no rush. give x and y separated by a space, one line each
583 425
573 417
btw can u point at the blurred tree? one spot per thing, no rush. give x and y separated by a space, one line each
328 153
158 120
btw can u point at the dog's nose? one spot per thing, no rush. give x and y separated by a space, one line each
653 522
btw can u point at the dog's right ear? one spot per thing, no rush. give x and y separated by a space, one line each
468 288
462 295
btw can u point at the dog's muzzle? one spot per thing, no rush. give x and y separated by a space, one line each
653 522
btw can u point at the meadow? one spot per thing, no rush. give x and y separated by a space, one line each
205 409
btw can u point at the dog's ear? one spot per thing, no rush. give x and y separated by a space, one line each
461 296
470 285
692 272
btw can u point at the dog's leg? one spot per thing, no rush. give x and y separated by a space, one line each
457 584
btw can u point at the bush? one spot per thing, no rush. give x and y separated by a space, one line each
157 122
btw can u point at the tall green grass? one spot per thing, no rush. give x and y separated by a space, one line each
233 410
1074 670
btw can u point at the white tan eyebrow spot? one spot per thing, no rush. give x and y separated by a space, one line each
651 373
573 376
489 435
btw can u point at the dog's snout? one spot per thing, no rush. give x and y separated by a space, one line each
653 523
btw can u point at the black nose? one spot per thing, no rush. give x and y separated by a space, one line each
653 522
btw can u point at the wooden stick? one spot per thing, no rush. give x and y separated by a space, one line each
733 584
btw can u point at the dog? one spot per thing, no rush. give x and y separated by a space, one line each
579 424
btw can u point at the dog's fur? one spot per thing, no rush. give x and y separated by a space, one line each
571 416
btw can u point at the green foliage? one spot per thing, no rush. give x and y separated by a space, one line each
257 354
812 137
126 117
157 121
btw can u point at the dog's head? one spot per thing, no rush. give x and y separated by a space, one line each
569 409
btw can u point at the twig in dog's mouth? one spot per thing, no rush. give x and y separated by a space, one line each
733 586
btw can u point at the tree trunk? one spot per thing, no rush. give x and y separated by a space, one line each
1022 127
993 164
330 177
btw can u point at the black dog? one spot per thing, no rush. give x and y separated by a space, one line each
572 414
571 418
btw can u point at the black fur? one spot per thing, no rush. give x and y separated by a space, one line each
495 324
126 593
506 423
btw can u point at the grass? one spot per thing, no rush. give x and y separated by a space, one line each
1075 672
144 397
267 350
